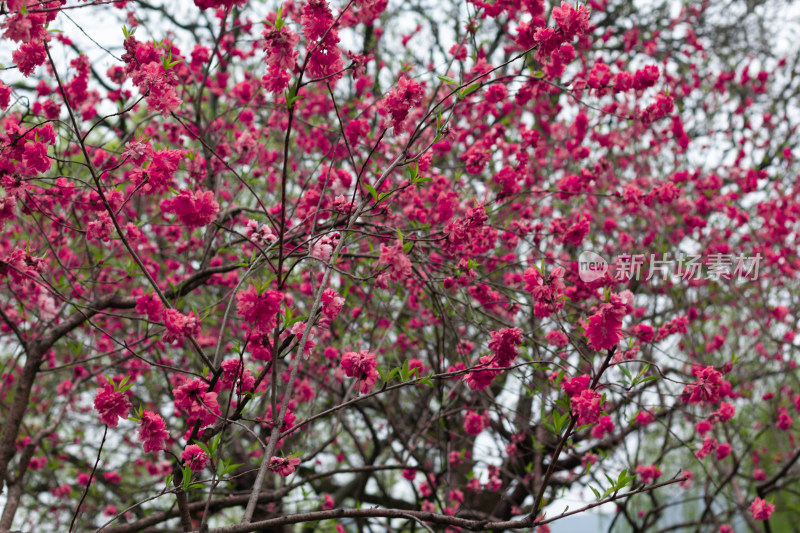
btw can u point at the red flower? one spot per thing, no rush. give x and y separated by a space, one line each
260 311
112 405
361 365
576 385
179 325
784 420
648 473
586 406
605 425
723 451
707 388
481 378
192 399
194 209
761 509
504 345
406 95
152 432
5 95
473 423
35 157
29 56
604 331
283 467
194 457
398 261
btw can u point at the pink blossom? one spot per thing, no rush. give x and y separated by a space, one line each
138 151
152 432
504 345
557 338
194 457
571 21
586 406
399 263
484 374
709 445
723 451
784 420
406 95
648 473
35 157
259 310
328 502
708 388
194 209
150 305
604 425
158 176
111 405
101 228
544 290
644 418
604 328
473 423
179 325
281 56
29 56
196 402
576 385
762 509
284 466
5 95
362 366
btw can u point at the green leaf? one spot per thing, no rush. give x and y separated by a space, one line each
372 191
231 468
463 93
404 372
187 477
448 79
204 448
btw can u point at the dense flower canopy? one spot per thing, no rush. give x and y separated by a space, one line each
398 265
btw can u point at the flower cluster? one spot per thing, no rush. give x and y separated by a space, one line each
362 366
259 310
111 405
